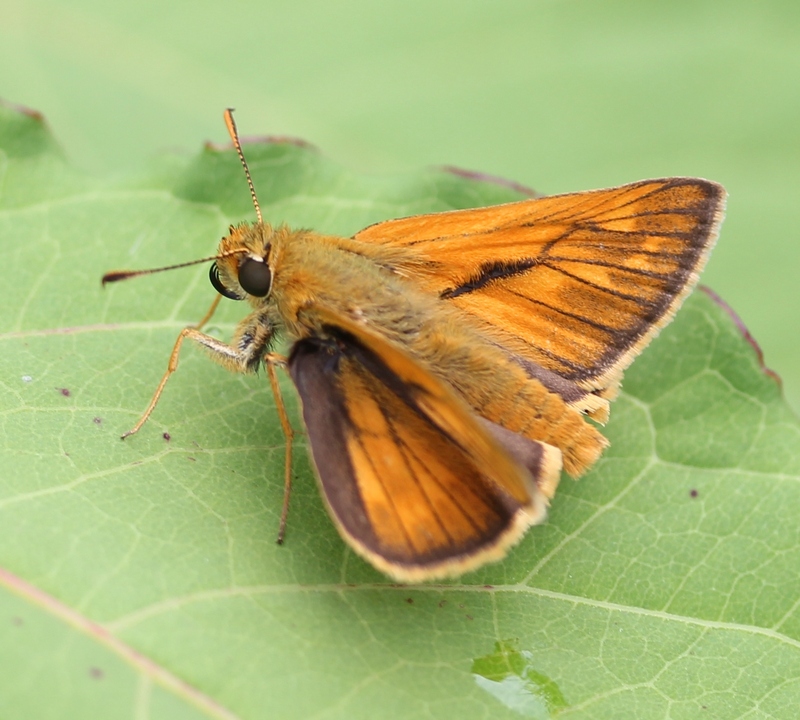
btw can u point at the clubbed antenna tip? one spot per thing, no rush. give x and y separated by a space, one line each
235 137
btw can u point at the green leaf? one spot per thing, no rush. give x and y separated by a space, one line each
142 578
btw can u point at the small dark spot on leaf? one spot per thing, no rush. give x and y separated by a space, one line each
489 587
167 436
16 620
64 391
461 606
97 421
442 603
469 617
96 673
693 493
410 601
191 458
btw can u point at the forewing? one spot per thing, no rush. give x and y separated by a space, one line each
400 479
577 284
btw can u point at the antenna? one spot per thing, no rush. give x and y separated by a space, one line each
117 275
235 137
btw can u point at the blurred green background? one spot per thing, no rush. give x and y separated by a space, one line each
560 96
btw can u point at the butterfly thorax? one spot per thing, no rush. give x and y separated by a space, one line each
365 282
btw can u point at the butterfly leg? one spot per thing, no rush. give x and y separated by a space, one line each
271 361
251 339
210 312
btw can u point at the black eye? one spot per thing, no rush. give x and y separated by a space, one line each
213 275
255 277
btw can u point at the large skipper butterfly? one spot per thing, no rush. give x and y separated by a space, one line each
447 363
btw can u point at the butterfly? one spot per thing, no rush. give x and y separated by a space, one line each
450 365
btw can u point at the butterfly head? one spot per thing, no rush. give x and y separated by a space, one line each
243 266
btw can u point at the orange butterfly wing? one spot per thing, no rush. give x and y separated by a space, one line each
577 284
415 482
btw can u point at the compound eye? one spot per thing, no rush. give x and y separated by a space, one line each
213 275
255 277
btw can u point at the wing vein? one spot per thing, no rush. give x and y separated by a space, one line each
452 497
403 447
579 318
642 302
386 492
617 266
